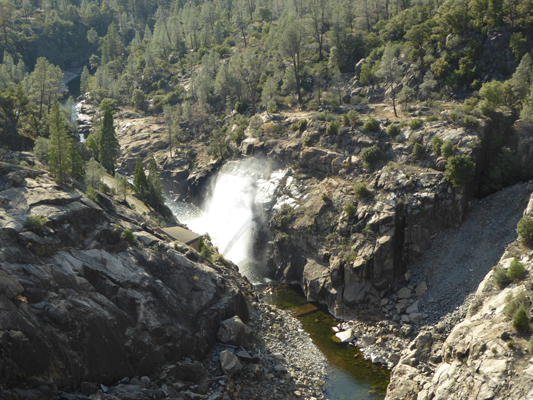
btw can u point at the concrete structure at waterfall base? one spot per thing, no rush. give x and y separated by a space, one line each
183 235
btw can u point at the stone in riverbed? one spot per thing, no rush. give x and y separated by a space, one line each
366 341
346 336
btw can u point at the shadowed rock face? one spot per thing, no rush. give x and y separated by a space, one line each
77 303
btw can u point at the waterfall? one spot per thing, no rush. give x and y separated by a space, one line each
234 210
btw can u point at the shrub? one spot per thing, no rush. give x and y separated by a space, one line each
349 209
521 321
325 197
91 193
360 190
470 121
525 230
459 170
371 125
204 249
415 123
104 188
345 120
447 149
306 141
128 236
500 277
514 304
531 345
353 117
516 270
301 125
432 118
370 155
418 150
393 130
35 221
436 145
241 107
333 128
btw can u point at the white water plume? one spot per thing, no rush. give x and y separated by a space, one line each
240 192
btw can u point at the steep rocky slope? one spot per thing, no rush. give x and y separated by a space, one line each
483 357
79 303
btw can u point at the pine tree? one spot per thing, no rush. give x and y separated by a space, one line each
391 72
155 188
76 162
58 144
84 80
108 145
140 183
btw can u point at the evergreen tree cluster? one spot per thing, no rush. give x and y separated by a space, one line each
148 188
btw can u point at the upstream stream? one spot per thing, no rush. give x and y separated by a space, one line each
233 213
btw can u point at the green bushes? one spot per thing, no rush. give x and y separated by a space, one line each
470 121
415 123
370 155
436 145
500 277
521 321
371 125
516 270
204 249
325 197
35 221
459 170
349 209
393 130
301 125
333 128
360 190
515 303
418 150
447 149
241 107
91 193
128 236
525 230
351 118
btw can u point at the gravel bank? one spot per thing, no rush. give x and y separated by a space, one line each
460 258
286 364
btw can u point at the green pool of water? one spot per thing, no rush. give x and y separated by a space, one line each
350 376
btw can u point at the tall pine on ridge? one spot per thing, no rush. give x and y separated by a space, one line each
140 183
155 188
58 144
108 147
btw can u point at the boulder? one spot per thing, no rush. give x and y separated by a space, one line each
404 293
230 363
234 332
421 289
345 336
413 308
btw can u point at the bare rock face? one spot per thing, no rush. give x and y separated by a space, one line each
79 304
235 332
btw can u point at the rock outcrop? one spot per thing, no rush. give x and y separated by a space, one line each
80 304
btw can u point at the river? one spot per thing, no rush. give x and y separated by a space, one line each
233 212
